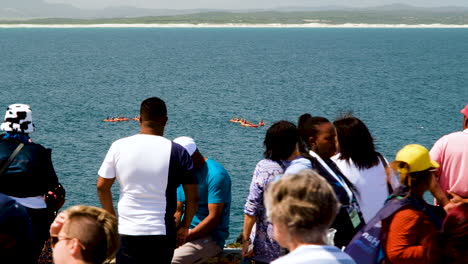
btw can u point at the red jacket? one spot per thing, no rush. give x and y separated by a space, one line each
406 230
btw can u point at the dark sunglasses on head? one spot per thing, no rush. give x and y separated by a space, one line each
54 239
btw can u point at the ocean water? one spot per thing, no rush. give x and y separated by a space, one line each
407 85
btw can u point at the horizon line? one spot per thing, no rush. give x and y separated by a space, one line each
234 25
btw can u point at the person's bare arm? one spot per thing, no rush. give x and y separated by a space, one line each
191 204
249 222
209 223
438 193
179 212
436 153
105 194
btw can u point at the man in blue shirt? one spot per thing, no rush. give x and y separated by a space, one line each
210 226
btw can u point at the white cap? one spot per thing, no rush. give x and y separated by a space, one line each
188 143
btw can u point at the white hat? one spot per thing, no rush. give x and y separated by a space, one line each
18 118
188 143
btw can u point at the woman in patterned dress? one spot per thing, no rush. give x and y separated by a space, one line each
257 236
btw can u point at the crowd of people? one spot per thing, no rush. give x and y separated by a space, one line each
319 189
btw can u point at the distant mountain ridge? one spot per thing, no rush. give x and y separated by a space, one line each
32 9
40 12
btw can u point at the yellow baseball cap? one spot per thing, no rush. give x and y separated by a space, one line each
417 157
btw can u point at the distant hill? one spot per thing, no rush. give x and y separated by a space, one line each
32 9
40 12
23 9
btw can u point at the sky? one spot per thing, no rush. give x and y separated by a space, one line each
246 4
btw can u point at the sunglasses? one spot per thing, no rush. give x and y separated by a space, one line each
54 239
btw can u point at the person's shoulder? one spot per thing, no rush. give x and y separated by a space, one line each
180 155
178 149
217 174
215 165
336 157
32 146
337 256
409 219
316 253
409 212
125 139
297 165
451 136
341 162
300 160
267 165
267 162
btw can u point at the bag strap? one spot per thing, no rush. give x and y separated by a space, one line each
387 177
11 158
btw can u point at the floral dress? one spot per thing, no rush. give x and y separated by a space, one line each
264 247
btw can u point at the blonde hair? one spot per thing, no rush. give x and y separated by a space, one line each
304 203
96 229
411 179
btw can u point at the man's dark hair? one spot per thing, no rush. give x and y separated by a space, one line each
280 140
152 109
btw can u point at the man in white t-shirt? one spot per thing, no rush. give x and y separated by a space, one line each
149 169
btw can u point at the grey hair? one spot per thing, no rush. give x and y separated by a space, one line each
304 203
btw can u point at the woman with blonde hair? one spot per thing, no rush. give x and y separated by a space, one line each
302 208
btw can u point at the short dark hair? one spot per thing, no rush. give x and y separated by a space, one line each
152 109
308 127
280 140
356 142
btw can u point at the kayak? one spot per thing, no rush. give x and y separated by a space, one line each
249 125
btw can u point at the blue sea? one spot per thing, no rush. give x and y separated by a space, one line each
407 85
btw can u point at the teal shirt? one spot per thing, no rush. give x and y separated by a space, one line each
214 186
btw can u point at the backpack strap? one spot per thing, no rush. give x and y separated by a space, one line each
11 158
366 247
427 209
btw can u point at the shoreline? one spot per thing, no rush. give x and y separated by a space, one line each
231 25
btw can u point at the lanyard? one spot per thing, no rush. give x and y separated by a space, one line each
332 173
